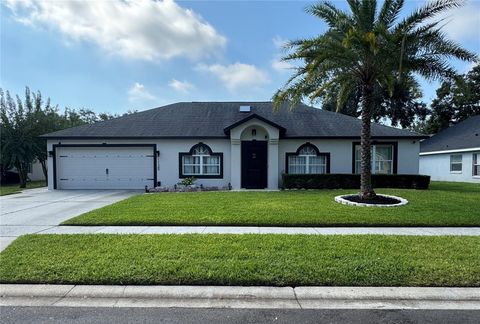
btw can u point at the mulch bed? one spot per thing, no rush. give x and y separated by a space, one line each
379 200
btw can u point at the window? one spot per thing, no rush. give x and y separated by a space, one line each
200 162
456 163
476 164
382 159
307 160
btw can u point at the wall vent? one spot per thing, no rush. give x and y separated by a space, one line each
245 108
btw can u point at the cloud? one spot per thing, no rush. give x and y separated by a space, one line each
279 42
281 66
463 23
277 63
181 86
469 66
138 92
236 76
137 29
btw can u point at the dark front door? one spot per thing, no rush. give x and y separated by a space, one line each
254 164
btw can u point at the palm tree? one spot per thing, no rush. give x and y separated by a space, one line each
364 48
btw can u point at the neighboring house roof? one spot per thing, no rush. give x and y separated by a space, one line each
464 135
215 119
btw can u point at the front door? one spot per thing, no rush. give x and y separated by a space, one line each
254 164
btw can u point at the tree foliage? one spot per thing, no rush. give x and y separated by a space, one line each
457 99
18 143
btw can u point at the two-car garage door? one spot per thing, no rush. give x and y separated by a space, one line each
104 167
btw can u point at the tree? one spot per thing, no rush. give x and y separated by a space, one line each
364 48
456 100
84 116
18 142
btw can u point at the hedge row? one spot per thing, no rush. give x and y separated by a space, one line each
352 181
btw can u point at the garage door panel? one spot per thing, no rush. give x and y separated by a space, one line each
86 167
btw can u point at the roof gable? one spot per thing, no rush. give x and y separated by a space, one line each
254 116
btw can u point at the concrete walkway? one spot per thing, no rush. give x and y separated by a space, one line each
424 231
35 210
241 297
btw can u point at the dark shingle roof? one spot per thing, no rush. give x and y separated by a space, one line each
463 135
210 119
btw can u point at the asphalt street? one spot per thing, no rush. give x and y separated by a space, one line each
64 315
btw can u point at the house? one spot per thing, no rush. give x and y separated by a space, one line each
35 172
244 144
454 153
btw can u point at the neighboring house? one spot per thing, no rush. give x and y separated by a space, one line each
454 153
35 171
245 144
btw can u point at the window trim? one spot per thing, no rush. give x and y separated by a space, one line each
181 175
475 162
325 154
461 164
395 154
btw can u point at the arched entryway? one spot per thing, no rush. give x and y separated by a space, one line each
254 138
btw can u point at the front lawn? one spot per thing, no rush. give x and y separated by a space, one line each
444 204
13 189
271 260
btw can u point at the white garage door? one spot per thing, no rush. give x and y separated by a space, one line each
104 167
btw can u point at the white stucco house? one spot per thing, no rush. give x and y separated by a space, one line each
244 144
35 171
454 153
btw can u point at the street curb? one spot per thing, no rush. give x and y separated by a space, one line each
240 297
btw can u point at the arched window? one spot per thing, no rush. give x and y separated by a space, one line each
308 160
201 162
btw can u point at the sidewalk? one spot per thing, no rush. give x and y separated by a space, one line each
424 231
8 233
241 297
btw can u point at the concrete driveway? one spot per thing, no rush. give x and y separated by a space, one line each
36 210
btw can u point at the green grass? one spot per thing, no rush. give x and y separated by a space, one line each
278 260
444 204
13 189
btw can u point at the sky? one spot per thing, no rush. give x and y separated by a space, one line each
114 56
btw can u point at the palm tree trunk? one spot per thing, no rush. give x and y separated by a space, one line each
366 190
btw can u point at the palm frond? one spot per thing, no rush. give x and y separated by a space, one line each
334 17
368 12
432 67
428 11
389 12
436 42
354 8
346 89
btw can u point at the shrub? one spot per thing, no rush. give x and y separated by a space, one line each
187 181
352 181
